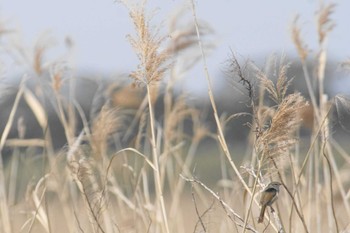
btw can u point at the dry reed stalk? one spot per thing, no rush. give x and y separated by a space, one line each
35 142
173 134
37 108
271 143
156 162
200 131
325 25
221 137
139 208
3 199
183 47
213 104
303 53
321 133
13 177
86 175
274 138
153 65
277 139
237 70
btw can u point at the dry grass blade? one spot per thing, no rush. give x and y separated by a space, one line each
36 108
39 212
342 109
74 149
136 152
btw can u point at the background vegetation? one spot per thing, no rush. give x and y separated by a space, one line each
139 156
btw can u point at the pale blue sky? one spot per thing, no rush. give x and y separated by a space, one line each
253 28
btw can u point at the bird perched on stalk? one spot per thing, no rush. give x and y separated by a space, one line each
268 196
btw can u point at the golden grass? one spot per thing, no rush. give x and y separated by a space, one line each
178 174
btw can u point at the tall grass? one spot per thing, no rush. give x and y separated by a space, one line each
154 182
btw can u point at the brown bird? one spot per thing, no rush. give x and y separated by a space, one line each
268 196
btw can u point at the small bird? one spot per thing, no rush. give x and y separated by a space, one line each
268 196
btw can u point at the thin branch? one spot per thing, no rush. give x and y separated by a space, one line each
291 196
217 197
85 192
331 185
197 212
78 222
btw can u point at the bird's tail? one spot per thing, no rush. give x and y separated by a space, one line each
262 213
